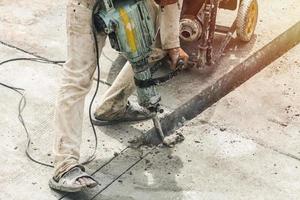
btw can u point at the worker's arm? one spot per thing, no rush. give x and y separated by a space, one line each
169 29
169 24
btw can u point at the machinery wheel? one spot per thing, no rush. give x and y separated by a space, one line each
246 19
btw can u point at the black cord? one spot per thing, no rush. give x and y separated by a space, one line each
22 103
40 60
21 107
94 31
12 88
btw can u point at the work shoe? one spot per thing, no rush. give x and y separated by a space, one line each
133 112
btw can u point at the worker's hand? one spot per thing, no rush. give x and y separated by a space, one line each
175 55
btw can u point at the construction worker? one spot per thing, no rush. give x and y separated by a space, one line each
69 175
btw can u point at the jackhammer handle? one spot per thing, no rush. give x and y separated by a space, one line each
158 128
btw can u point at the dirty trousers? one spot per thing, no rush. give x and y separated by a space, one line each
78 73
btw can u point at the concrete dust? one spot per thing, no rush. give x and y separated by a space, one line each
173 139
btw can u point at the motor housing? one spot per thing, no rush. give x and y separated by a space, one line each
190 29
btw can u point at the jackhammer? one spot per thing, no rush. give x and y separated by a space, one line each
131 31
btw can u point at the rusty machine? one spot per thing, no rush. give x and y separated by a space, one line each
199 27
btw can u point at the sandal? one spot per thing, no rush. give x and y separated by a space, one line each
67 183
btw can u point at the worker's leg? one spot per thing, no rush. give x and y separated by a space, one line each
76 83
114 103
115 99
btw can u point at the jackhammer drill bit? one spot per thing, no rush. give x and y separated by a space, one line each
158 127
169 140
172 139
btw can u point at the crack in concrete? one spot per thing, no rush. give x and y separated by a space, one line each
127 170
269 147
266 146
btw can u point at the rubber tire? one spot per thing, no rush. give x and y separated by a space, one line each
242 20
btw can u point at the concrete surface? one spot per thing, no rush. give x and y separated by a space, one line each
244 147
